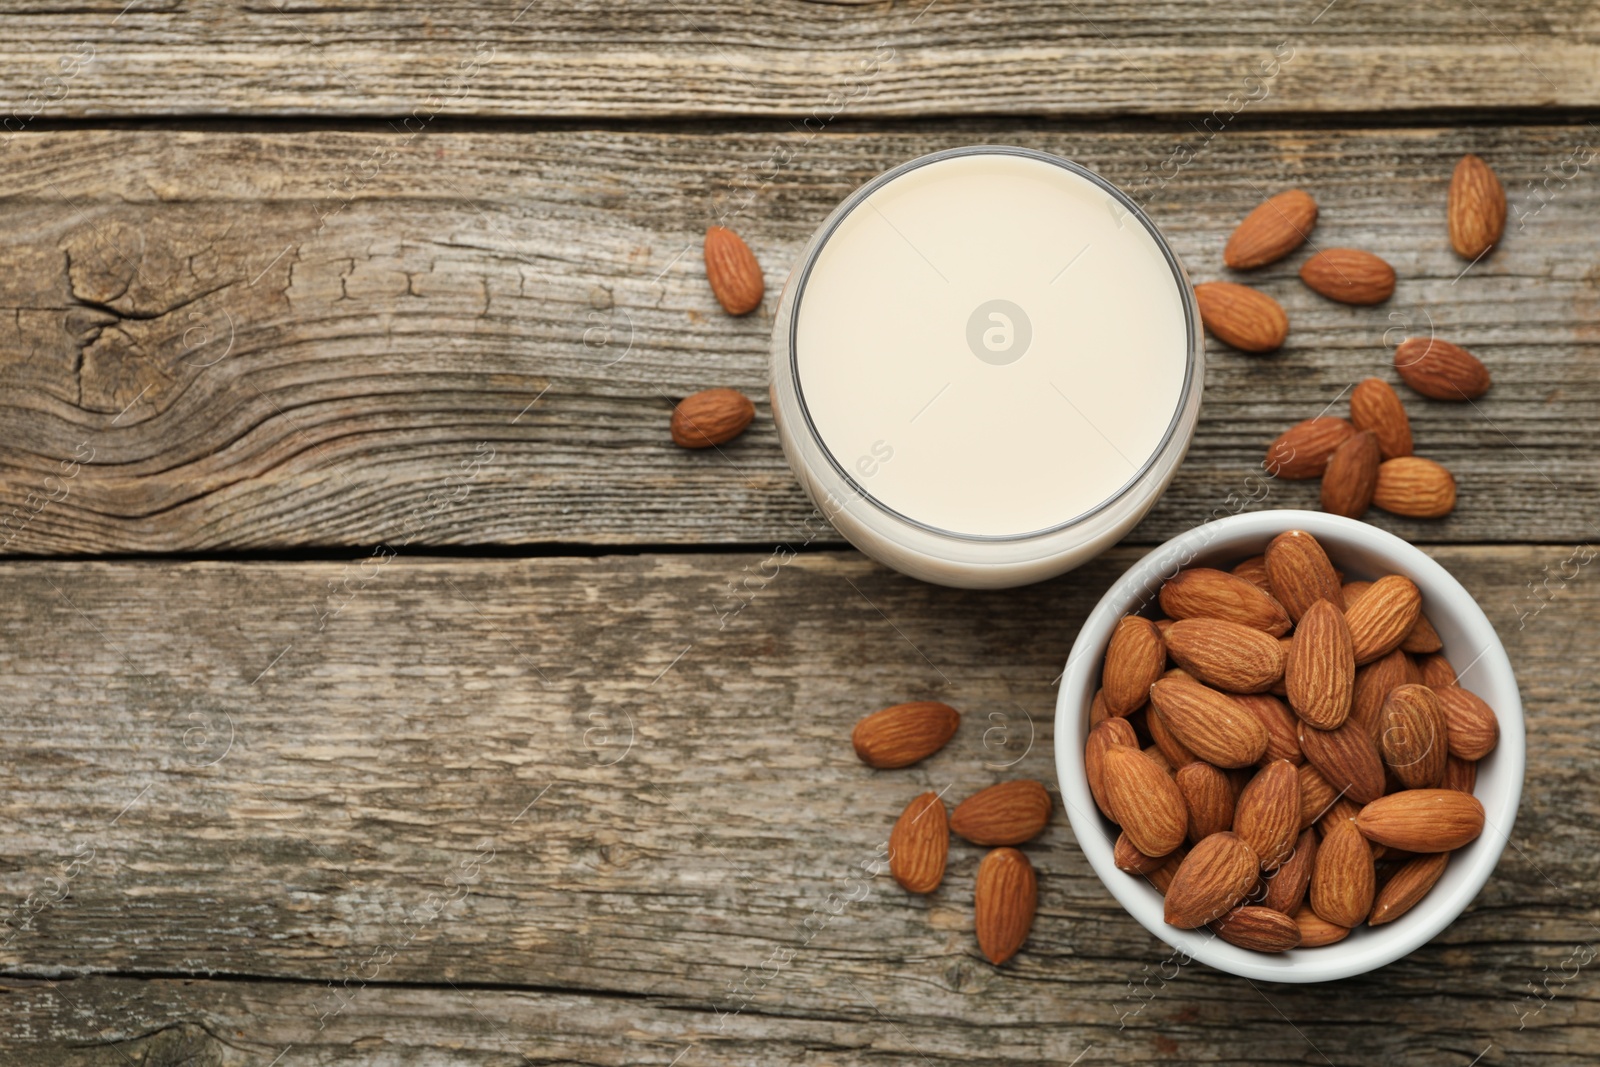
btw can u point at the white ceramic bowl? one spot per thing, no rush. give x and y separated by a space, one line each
1471 645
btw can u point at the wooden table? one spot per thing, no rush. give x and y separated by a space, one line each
383 687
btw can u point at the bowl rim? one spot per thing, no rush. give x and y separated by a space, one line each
1136 588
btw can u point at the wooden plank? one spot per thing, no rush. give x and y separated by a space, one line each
801 60
96 1022
562 776
263 340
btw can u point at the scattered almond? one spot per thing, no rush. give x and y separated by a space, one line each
733 272
1376 407
1349 276
1245 318
1006 897
1005 814
1352 476
919 844
1303 450
1435 672
901 735
1275 228
1415 487
1441 370
1477 208
712 417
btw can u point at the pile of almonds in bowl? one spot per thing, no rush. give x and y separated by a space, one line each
999 818
1287 755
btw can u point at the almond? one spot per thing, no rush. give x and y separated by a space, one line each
1376 407
1301 573
1415 487
1162 876
733 272
1286 886
1208 797
1097 709
1460 774
1227 655
919 844
1005 899
1440 370
1477 208
1343 881
1245 318
1423 820
1254 571
1352 592
905 733
1341 810
1471 725
1144 801
1409 885
1283 732
1135 658
1435 672
1130 859
1211 880
1275 228
1316 795
1321 668
1005 814
1422 639
1346 758
712 417
1267 817
1173 751
1374 682
1352 476
1383 616
1156 756
1413 740
1259 929
1349 276
1209 723
1201 592
1303 450
1104 735
1316 931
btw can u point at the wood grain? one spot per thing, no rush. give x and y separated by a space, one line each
567 777
794 60
218 341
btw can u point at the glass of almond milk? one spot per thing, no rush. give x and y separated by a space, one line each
986 366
